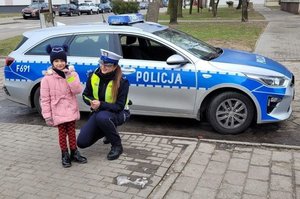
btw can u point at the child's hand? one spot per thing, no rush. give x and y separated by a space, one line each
49 121
65 70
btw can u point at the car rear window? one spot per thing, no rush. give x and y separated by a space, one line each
21 42
40 49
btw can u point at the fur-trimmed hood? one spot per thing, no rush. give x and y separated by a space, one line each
50 71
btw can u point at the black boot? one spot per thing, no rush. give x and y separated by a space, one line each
65 159
106 141
115 152
76 157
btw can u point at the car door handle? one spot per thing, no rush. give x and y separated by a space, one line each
128 70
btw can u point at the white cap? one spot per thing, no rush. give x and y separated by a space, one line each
109 57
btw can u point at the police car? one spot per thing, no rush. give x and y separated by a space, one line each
170 73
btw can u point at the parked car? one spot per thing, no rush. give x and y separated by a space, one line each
143 5
68 9
88 8
171 73
104 7
34 10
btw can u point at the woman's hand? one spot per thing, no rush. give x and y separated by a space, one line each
95 104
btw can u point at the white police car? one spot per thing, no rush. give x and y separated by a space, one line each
170 72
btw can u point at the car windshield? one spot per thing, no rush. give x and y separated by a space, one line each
64 6
198 48
35 5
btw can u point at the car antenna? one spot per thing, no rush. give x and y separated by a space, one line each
104 21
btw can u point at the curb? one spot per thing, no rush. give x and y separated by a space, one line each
252 144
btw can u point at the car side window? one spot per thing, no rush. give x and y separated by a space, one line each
40 49
135 47
89 45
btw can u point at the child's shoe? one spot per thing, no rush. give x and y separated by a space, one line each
65 159
76 157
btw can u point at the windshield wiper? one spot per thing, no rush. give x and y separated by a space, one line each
213 55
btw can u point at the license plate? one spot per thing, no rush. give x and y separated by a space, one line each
63 13
27 15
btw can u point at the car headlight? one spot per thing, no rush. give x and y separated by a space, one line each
270 80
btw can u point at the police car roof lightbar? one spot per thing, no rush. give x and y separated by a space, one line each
125 19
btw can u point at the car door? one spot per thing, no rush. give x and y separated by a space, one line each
157 88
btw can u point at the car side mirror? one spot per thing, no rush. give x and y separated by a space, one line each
176 60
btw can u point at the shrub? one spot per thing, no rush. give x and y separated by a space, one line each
229 3
121 7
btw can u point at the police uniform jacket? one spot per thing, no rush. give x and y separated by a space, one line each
104 80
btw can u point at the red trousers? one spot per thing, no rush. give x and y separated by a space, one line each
67 130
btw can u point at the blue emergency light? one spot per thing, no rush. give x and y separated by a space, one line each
125 19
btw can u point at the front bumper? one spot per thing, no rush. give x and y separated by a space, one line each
275 104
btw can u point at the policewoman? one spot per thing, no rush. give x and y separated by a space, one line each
106 93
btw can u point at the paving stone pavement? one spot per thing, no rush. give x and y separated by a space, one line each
175 168
31 165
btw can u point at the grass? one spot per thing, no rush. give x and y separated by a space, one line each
222 14
242 36
5 15
8 45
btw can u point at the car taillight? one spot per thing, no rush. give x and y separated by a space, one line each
9 61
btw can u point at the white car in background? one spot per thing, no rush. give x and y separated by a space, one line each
88 8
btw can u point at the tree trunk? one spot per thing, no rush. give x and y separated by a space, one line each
153 11
239 6
244 11
173 11
179 8
191 6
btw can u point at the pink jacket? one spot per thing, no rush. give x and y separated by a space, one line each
58 96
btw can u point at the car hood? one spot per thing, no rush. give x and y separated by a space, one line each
27 9
64 8
254 61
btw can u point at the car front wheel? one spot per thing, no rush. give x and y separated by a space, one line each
230 113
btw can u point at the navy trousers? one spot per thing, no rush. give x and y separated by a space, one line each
100 124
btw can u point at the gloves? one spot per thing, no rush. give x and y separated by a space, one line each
49 121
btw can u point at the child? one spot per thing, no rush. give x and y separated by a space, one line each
59 88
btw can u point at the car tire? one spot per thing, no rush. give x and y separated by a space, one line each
78 13
230 112
71 14
24 17
36 101
90 12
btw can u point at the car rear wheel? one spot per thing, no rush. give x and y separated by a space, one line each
36 101
230 113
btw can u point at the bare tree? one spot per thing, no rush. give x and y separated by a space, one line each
214 5
239 6
191 6
173 11
199 5
244 11
179 8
